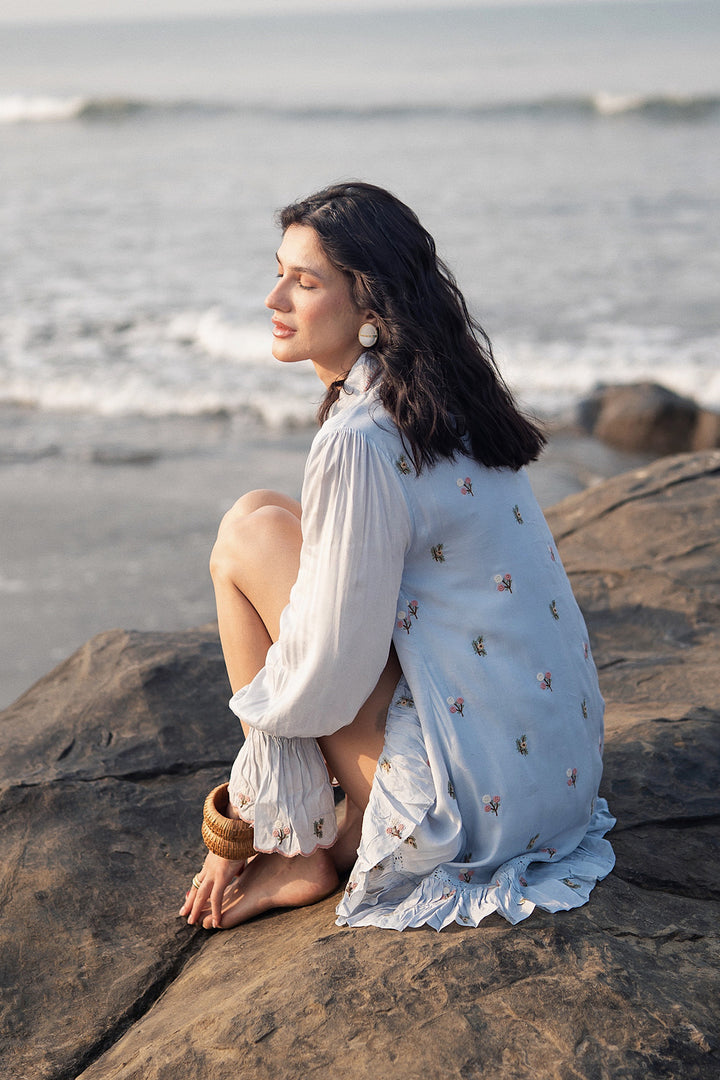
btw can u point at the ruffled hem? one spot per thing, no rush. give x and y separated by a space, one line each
446 895
281 786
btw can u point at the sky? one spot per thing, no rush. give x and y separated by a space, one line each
69 10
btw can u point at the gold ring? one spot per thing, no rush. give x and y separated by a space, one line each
196 882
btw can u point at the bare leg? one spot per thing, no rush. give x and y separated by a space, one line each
253 566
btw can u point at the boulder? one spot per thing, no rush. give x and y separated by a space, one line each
650 418
104 766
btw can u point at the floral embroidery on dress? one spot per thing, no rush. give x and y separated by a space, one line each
551 851
570 883
411 841
465 486
318 827
522 746
554 610
402 465
466 876
396 830
492 804
545 680
385 764
467 857
503 582
518 515
437 552
448 892
586 650
552 553
572 777
413 608
479 646
403 618
532 841
523 881
281 832
406 701
583 706
456 705
451 790
350 887
243 800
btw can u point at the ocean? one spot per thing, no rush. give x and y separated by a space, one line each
565 157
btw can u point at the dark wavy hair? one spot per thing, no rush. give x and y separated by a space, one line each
435 370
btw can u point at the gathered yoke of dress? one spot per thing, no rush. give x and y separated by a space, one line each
485 797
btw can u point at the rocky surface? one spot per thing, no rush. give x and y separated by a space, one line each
103 767
649 417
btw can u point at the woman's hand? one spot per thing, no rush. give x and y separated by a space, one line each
215 876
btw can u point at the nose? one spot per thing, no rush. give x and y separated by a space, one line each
276 299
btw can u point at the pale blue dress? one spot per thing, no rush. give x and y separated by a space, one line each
485 797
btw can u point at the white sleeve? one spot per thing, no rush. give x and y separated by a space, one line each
336 630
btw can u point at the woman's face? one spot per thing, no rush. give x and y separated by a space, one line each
314 316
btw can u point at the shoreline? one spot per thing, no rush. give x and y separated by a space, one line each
109 522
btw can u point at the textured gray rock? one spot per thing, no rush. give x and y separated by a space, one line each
649 417
104 766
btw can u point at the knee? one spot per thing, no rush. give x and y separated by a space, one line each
247 531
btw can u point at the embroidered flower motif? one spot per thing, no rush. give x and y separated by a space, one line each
451 790
385 764
467 857
281 832
243 800
554 610
465 919
551 851
570 883
503 582
572 777
378 866
406 701
437 552
396 830
586 650
413 608
518 515
456 705
522 746
492 804
545 680
411 841
447 892
318 827
552 553
402 465
532 841
466 876
583 706
479 646
403 622
523 881
465 486
350 887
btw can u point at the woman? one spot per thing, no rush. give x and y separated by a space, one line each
410 630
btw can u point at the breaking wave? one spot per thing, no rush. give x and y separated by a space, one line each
29 108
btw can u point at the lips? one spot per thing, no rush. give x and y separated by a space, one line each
280 330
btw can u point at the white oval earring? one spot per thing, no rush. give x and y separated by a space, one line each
367 335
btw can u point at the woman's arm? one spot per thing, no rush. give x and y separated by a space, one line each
336 631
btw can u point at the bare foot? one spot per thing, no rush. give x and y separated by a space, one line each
344 850
274 881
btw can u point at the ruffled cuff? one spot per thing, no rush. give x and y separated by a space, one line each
281 786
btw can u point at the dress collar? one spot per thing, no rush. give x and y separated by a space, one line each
357 383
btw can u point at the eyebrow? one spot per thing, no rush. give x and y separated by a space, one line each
301 269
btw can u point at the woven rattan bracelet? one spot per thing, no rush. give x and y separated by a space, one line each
223 834
235 850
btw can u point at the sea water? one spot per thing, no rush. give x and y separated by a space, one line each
565 156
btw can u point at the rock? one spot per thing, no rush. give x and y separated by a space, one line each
100 838
649 417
